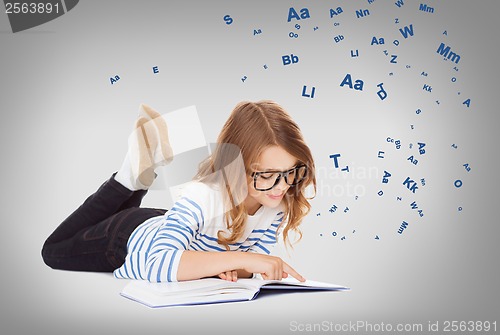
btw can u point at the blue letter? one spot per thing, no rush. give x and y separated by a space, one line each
407 31
335 156
228 19
347 81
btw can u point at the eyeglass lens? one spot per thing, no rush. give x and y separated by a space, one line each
267 180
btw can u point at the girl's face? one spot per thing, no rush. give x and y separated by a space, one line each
274 158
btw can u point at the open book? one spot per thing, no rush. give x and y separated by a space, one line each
213 290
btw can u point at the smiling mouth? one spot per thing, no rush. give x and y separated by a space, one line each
275 196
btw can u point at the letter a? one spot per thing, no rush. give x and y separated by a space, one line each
359 85
292 14
347 81
304 13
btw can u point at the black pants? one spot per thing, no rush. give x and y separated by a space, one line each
95 236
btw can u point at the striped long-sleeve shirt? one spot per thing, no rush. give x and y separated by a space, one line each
155 247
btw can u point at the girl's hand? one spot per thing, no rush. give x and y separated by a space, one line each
270 267
229 275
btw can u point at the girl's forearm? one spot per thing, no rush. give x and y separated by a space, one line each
200 264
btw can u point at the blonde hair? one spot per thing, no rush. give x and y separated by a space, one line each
252 127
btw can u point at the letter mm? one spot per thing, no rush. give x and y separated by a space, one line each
445 51
402 227
424 8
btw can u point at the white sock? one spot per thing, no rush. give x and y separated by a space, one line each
126 176
130 174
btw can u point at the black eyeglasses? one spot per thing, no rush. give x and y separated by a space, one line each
266 180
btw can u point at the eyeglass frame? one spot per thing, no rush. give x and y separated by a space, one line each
281 174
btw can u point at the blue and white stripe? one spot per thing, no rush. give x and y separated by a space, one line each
155 247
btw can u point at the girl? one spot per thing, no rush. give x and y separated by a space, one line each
249 191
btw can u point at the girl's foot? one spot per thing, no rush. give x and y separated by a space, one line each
148 148
162 155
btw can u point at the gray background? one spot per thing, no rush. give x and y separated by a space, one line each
64 130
